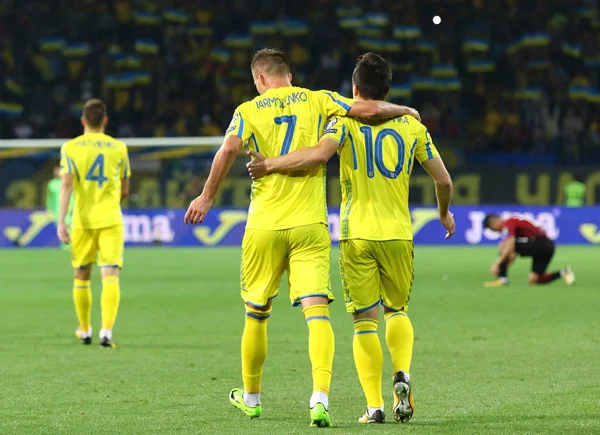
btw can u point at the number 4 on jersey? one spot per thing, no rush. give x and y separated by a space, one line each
96 172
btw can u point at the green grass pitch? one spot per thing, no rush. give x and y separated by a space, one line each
512 360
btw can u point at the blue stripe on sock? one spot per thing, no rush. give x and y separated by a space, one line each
82 286
308 319
257 317
365 332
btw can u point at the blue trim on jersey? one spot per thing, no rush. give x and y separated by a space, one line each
343 136
354 159
241 129
255 305
319 126
258 317
362 310
255 142
428 147
412 153
365 332
341 103
76 170
308 319
66 157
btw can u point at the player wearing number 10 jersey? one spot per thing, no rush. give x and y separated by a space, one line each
96 167
287 220
376 249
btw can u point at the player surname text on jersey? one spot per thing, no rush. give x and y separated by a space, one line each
294 97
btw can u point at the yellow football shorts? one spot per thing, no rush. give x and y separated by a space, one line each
304 252
375 272
102 245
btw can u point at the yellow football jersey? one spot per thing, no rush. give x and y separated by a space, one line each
98 162
277 122
376 161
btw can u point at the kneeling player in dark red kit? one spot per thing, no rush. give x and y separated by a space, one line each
524 238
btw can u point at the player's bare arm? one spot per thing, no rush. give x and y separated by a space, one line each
381 110
124 188
443 191
66 190
221 165
301 159
507 252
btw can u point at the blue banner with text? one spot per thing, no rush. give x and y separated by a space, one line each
225 227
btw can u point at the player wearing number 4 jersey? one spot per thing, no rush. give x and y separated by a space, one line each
376 249
287 220
96 167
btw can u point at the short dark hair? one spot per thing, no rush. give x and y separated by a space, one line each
94 113
372 76
271 61
489 218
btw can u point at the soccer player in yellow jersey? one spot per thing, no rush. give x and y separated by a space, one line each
96 167
287 220
376 248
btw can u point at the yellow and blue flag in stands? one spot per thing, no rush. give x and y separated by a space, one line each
401 90
448 85
535 40
176 16
592 62
237 41
114 50
423 84
146 46
573 50
586 11
76 49
480 66
10 109
407 32
369 31
221 55
402 67
52 44
379 19
264 28
392 46
132 61
529 93
293 27
11 84
443 70
351 22
476 45
146 18
372 44
425 46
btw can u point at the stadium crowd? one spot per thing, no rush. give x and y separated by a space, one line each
509 76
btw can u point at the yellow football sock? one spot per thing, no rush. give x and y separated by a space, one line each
82 297
111 296
399 336
368 358
321 346
254 348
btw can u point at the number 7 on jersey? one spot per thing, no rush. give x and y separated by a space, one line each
289 134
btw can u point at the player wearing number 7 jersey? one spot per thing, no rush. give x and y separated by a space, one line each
96 167
376 248
287 220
